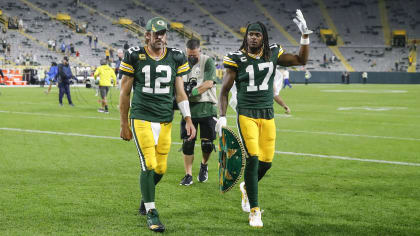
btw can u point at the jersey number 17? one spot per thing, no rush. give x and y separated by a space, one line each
264 85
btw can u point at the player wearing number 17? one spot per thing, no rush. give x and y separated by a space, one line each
252 68
153 72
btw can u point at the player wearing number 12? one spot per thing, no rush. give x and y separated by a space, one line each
252 68
153 72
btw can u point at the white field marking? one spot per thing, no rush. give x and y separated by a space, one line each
57 133
362 91
58 115
371 108
275 115
350 135
349 158
338 121
229 116
178 143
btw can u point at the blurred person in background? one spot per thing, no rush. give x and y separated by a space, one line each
64 76
120 55
106 79
51 76
286 79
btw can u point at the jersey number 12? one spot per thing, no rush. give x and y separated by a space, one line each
157 89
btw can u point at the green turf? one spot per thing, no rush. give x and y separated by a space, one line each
71 185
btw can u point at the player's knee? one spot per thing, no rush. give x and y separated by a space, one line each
161 169
188 147
151 165
162 163
207 146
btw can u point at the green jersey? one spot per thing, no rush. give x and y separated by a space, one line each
254 81
154 82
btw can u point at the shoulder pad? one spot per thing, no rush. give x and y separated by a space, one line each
274 45
134 49
236 53
175 50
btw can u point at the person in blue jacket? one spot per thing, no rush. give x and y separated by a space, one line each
51 76
64 76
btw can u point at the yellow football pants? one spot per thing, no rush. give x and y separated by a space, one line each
152 156
258 136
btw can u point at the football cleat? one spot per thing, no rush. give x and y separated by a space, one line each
255 218
187 180
245 201
142 208
153 221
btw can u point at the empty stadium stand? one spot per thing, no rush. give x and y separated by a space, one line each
363 29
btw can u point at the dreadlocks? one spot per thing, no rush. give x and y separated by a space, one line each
265 46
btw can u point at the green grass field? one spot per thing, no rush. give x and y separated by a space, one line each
59 182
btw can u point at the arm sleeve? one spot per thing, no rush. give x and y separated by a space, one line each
210 70
126 66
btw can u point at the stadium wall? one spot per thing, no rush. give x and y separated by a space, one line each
356 77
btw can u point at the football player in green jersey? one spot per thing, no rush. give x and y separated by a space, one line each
154 72
252 69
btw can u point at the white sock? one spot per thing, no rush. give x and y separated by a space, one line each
149 205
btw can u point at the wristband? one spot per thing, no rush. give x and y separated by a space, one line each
184 107
304 41
194 92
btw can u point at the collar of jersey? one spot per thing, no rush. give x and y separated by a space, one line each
259 55
160 58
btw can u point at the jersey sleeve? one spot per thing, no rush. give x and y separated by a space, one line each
210 70
126 66
281 51
229 62
182 65
278 82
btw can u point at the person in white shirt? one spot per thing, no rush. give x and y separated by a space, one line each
286 79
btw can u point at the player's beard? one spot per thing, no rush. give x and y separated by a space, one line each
255 50
155 46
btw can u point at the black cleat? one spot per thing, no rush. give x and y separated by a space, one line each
153 221
203 175
187 180
142 208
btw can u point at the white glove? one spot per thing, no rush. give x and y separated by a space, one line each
301 23
221 122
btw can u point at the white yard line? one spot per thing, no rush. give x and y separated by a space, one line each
278 116
229 116
177 143
350 135
57 133
348 158
58 115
